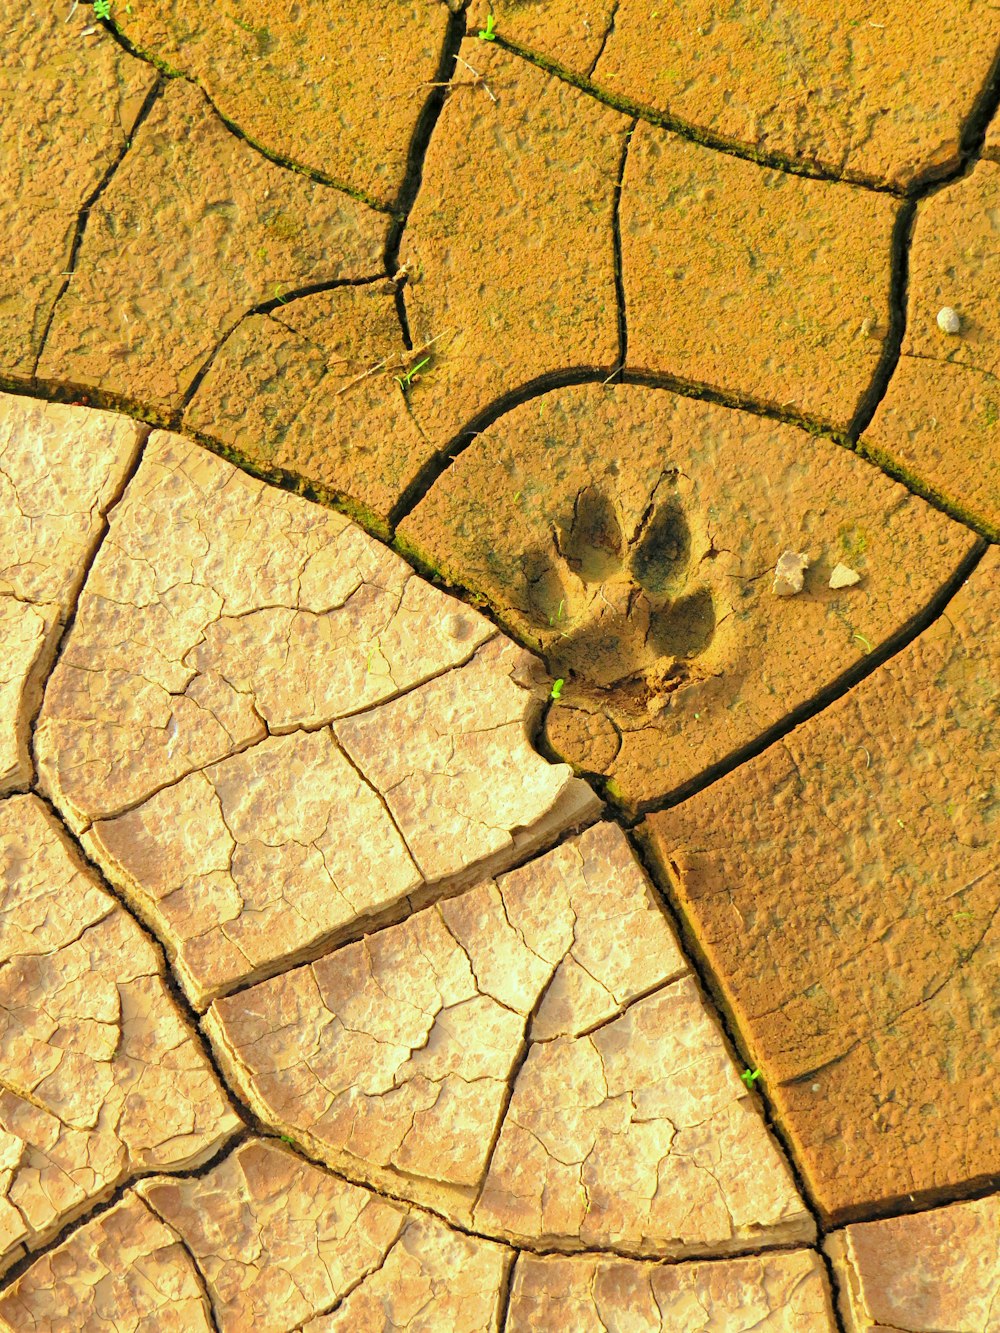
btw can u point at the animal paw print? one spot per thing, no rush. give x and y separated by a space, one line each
608 604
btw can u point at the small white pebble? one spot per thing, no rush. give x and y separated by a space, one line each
844 576
815 1087
948 320
788 573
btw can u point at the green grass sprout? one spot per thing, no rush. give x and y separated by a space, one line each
404 381
557 688
488 34
750 1076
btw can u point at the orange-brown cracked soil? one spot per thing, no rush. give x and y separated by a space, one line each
499 687
631 535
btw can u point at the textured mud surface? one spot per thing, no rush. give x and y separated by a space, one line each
879 98
499 692
630 534
859 819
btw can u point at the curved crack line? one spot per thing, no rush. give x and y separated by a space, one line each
616 240
35 1255
168 72
899 278
254 1120
267 307
420 140
269 1130
841 685
605 39
432 470
68 618
691 132
114 1197
201 1279
712 995
371 1270
83 217
165 973
662 875
985 107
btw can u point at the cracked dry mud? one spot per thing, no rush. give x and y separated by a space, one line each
627 1126
442 887
643 572
839 90
60 471
889 940
103 1077
939 419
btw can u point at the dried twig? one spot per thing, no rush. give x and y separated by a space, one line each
373 370
482 82
477 81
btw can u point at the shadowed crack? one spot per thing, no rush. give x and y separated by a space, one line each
442 461
421 138
256 1125
985 107
504 1294
905 1205
899 275
213 1317
616 237
428 474
686 129
714 1001
431 471
604 40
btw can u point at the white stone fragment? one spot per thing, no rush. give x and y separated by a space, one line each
948 320
789 573
844 577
